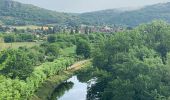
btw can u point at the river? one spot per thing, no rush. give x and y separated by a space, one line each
72 89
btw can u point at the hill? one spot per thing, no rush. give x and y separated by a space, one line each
130 18
15 13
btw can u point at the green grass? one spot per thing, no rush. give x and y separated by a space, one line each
68 51
16 45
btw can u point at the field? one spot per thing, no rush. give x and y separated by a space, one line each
17 45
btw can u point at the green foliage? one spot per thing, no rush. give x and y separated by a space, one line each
51 38
58 92
14 13
83 48
131 65
9 38
137 62
18 90
26 37
156 36
22 70
51 51
17 64
36 54
23 14
129 18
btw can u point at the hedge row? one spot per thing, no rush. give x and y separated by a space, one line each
21 90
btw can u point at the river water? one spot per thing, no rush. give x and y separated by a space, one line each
72 89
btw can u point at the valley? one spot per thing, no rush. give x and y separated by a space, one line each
110 54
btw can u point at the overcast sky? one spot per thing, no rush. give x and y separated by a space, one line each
79 6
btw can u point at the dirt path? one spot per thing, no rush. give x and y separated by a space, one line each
78 65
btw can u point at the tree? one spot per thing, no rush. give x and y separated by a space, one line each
51 38
83 48
138 63
90 30
86 30
17 64
72 31
77 29
9 38
52 50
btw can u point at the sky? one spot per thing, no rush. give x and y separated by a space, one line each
80 6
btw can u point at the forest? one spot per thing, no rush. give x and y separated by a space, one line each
134 64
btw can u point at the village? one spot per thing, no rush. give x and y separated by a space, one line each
51 29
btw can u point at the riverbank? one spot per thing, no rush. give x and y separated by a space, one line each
45 90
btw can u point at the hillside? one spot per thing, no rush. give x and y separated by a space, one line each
130 18
15 13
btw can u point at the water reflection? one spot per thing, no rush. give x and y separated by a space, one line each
78 92
73 89
61 89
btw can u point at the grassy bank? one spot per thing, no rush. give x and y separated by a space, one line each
47 88
16 45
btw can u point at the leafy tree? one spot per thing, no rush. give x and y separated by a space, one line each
86 30
83 48
77 29
138 63
51 38
9 38
71 31
17 64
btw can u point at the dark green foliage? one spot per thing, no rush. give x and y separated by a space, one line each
9 38
86 30
61 89
26 37
157 37
129 18
36 54
71 31
24 14
77 29
52 38
137 64
83 48
52 50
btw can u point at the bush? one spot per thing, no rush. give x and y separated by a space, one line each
51 38
9 38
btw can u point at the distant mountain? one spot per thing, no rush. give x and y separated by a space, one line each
15 13
130 18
